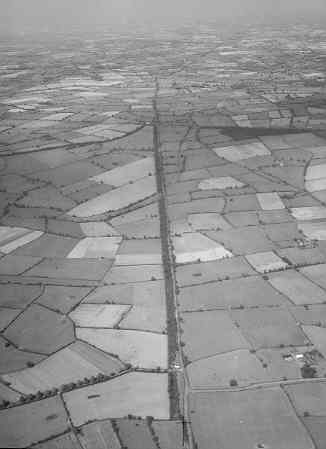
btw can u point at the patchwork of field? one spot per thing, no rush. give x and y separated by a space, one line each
47 420
82 281
63 294
163 240
247 225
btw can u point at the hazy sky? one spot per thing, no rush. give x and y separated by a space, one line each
58 14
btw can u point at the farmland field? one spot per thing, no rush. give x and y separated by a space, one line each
243 420
140 394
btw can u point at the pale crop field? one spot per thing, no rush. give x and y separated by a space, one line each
141 349
140 394
116 199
